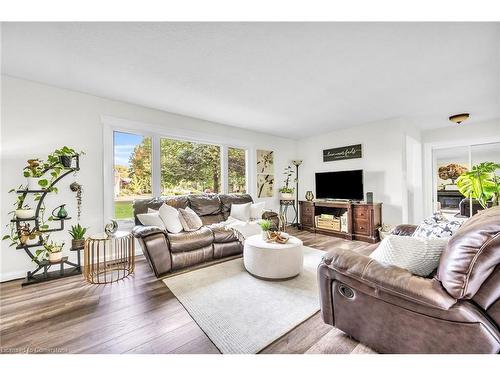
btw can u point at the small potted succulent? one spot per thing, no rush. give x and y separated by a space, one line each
77 233
266 226
34 172
52 251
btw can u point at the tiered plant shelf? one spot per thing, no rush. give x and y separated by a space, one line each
41 273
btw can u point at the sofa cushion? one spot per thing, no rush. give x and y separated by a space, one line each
188 241
205 204
221 234
228 199
212 219
189 219
141 205
471 254
420 256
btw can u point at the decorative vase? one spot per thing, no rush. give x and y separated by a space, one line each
287 196
65 161
77 244
55 257
309 195
25 213
62 213
33 183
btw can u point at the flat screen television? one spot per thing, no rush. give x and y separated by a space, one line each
340 185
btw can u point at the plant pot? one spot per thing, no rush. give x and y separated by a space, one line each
264 235
55 257
25 213
287 196
65 161
76 244
33 183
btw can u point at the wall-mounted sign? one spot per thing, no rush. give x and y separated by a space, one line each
342 153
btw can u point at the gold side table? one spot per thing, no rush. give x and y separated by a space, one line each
109 258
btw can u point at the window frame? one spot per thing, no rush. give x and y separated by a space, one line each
156 132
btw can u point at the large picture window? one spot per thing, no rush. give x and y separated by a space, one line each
132 172
236 170
189 167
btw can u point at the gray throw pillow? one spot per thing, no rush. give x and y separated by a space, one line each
437 226
189 219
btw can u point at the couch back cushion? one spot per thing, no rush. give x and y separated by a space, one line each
141 205
471 255
228 199
205 204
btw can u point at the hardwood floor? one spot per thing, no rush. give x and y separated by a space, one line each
136 315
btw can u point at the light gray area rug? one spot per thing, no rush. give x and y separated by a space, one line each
242 314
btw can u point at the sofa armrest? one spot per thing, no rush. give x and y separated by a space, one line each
141 231
155 247
404 230
391 279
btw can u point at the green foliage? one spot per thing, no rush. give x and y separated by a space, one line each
35 168
236 170
48 248
481 183
266 225
288 175
77 232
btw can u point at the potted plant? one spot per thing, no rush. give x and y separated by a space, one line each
287 191
481 183
51 251
34 172
266 226
64 156
77 233
25 212
28 236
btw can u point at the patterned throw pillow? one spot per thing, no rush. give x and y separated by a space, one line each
420 256
437 226
189 219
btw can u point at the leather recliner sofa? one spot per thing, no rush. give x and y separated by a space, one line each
167 252
457 310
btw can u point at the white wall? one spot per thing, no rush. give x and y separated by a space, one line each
383 162
36 119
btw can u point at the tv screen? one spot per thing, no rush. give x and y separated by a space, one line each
340 185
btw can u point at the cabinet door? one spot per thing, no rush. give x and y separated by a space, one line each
307 214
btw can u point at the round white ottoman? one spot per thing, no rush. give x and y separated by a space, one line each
273 261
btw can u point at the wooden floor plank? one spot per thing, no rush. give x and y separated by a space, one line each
136 315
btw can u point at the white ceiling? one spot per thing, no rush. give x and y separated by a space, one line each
289 79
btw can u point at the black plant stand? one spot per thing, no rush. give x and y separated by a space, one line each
41 272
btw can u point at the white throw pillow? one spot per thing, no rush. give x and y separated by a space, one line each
257 210
189 219
241 211
151 218
170 217
420 256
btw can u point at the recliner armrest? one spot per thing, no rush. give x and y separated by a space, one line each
390 279
141 231
272 216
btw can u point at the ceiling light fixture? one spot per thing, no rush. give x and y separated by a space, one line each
461 117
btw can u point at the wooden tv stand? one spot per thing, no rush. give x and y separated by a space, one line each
363 219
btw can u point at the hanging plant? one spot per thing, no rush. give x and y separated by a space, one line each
76 187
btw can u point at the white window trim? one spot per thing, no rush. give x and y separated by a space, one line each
430 183
156 132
